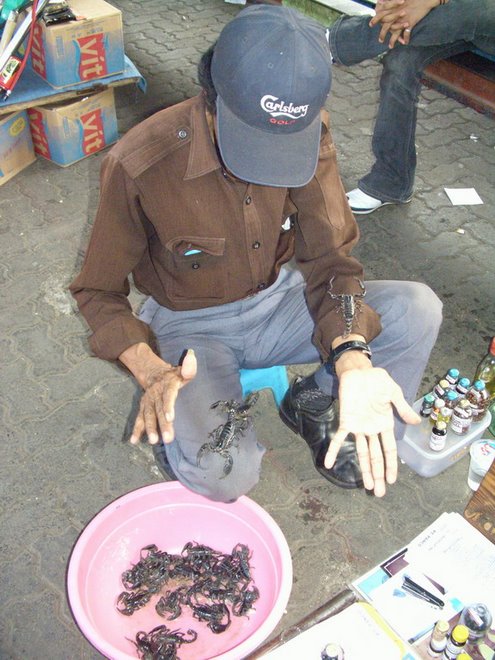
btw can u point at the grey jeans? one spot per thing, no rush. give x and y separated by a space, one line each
447 30
273 327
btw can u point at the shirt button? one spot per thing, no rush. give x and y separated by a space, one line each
182 133
248 200
195 265
256 245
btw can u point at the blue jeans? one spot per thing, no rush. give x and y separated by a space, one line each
447 30
273 327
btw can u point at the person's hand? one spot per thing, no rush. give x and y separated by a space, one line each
398 17
157 405
367 397
388 13
161 383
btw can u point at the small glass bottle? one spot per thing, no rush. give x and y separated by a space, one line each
332 652
444 415
478 620
437 406
456 642
479 399
438 639
486 369
461 417
441 388
451 399
427 405
462 386
452 376
438 436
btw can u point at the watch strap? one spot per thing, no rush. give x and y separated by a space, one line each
354 345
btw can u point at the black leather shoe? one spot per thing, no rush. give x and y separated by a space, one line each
314 415
162 462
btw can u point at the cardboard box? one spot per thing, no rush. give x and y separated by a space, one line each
92 47
67 132
16 145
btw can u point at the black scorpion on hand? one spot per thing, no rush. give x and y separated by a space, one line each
350 304
238 420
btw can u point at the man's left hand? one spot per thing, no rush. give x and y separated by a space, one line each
367 397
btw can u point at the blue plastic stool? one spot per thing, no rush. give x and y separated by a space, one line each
274 378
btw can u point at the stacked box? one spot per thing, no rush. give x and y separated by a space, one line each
67 132
92 47
16 145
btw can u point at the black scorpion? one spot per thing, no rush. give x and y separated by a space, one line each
213 585
350 304
238 420
161 643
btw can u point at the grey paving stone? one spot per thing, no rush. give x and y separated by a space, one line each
63 413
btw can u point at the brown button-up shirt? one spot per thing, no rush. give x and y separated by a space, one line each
193 237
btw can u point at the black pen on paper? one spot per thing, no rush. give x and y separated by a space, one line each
411 587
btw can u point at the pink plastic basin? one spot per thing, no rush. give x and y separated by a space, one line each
169 515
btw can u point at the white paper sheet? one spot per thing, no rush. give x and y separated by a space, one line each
357 629
463 196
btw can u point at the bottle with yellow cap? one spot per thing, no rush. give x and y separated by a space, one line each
456 642
464 656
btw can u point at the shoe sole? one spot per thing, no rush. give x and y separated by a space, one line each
336 482
368 211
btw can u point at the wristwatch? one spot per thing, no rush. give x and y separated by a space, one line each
354 345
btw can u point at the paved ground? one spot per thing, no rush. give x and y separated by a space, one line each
63 412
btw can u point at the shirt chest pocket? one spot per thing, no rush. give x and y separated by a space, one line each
196 268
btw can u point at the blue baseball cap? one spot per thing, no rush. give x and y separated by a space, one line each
271 68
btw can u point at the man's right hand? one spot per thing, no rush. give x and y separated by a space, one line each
161 383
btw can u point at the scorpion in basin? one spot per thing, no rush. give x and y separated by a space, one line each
238 420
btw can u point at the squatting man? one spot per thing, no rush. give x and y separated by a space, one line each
205 203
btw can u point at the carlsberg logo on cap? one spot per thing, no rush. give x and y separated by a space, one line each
276 108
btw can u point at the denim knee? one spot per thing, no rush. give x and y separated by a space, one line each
420 310
411 314
426 303
403 66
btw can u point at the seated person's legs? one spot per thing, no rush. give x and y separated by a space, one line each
444 31
352 40
391 179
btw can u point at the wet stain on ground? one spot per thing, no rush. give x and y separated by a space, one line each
314 509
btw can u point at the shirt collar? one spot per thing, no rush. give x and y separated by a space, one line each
203 156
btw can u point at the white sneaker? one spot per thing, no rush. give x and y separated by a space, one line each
361 203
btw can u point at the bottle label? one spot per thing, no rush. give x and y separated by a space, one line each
439 391
458 424
452 650
437 441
